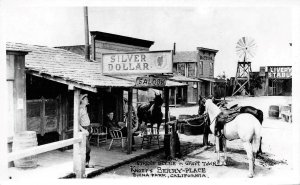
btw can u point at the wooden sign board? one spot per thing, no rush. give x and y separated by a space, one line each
280 72
152 62
150 82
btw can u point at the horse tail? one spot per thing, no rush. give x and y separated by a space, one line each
256 137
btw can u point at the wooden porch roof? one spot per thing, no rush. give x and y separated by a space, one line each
65 67
70 68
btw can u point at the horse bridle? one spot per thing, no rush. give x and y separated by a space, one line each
206 115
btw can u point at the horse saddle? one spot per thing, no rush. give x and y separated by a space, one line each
228 115
224 117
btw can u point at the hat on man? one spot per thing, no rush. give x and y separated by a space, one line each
82 96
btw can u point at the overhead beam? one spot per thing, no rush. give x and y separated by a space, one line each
60 80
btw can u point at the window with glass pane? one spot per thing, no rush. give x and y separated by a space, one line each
211 68
181 68
201 67
191 69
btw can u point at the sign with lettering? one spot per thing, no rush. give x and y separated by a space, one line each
137 62
204 57
280 72
150 82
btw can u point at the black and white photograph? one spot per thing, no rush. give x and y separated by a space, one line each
150 91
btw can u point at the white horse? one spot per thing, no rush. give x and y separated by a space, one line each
245 127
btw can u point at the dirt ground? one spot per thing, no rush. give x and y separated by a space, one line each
276 165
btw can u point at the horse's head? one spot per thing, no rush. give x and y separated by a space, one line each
158 101
206 102
211 108
203 100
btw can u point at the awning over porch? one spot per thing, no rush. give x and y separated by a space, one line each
72 69
180 78
215 80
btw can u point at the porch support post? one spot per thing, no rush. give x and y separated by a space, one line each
129 120
175 94
78 148
3 130
167 135
267 84
166 95
210 86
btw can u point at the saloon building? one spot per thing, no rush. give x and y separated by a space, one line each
50 74
194 70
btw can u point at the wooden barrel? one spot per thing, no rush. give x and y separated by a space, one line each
21 141
274 111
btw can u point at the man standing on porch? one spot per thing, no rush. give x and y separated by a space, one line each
85 125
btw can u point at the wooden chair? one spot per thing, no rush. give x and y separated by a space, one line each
116 135
150 135
98 135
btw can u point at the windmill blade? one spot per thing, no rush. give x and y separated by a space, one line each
252 53
245 48
244 40
251 43
241 43
239 47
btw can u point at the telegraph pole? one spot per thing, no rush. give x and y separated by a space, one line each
86 30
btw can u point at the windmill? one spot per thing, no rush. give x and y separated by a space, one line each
245 50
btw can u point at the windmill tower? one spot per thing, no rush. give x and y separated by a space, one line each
245 50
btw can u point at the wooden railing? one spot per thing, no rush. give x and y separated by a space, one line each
79 143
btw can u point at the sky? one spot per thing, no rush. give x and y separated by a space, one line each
214 27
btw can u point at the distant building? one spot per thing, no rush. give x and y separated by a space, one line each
276 81
199 67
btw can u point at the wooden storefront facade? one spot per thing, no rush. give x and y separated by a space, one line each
45 90
198 66
50 88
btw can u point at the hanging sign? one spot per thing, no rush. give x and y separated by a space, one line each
280 72
152 62
150 82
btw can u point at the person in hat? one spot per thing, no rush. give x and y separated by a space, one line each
121 126
85 125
